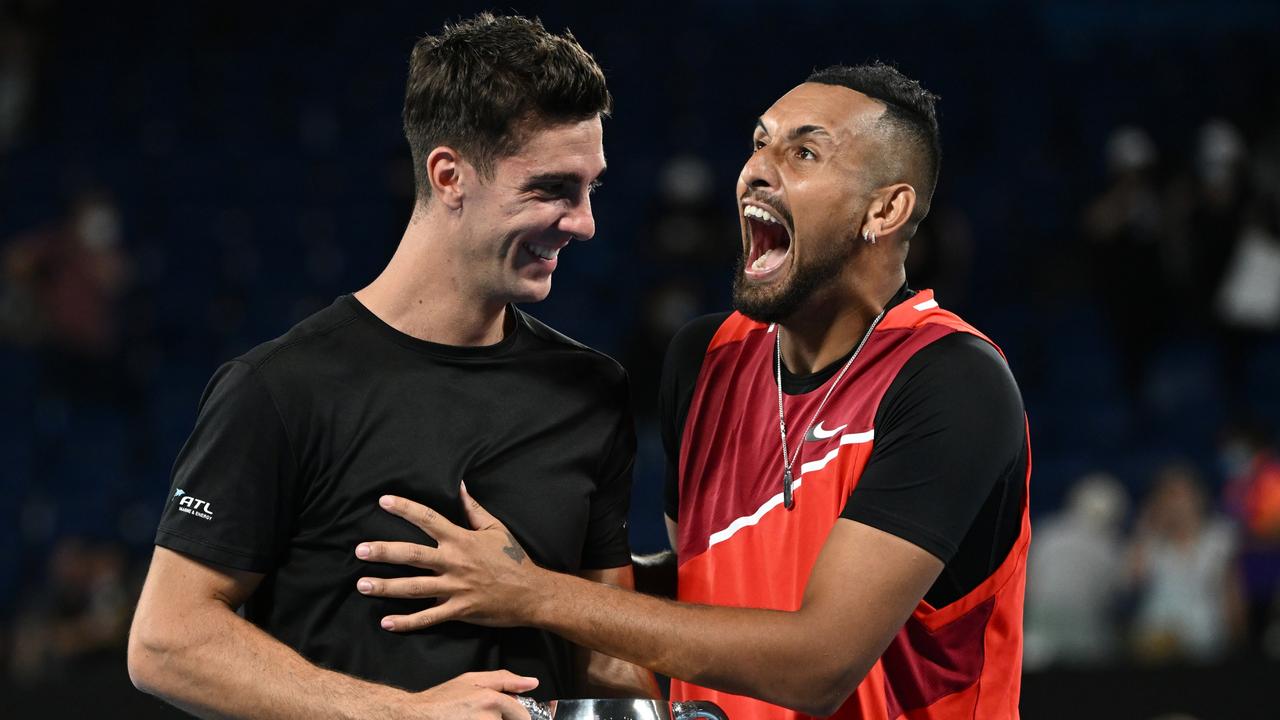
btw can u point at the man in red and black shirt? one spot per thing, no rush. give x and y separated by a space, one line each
848 462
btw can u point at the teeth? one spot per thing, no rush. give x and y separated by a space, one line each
758 264
543 252
761 214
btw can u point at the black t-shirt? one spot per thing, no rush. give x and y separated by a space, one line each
297 439
948 466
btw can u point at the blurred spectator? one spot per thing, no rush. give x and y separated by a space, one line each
1219 207
1252 467
1224 217
1075 576
1249 298
1184 566
79 620
68 278
63 286
1124 227
1247 302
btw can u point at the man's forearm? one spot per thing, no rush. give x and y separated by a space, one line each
223 666
810 659
607 676
763 653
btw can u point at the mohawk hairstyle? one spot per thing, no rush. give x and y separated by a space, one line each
910 120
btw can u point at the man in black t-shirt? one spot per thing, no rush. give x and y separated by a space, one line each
426 377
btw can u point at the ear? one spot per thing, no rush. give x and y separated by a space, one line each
890 210
446 171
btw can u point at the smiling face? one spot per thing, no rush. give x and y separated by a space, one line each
537 202
802 197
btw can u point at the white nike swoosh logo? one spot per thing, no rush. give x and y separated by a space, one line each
818 433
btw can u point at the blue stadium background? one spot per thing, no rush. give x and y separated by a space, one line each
255 157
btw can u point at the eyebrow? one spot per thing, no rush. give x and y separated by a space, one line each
560 177
808 130
797 132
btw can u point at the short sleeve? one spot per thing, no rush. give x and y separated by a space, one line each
950 431
607 543
231 499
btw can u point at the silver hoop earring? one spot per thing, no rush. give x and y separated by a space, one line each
869 236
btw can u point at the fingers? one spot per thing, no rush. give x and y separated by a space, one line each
476 515
511 709
427 520
482 695
413 587
444 612
401 553
502 681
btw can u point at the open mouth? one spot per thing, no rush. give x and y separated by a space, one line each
770 241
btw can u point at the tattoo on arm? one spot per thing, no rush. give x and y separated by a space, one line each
514 551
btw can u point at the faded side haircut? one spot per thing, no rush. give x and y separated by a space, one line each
910 122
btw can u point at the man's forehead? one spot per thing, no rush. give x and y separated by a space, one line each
836 108
588 132
574 148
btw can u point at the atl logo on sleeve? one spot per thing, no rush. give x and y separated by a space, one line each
192 505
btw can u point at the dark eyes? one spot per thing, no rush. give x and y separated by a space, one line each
802 153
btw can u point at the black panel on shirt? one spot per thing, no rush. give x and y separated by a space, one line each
947 469
297 439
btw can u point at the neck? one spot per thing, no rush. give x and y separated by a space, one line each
829 326
425 291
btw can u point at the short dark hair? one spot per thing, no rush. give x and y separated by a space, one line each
910 118
483 84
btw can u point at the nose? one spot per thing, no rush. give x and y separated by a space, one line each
578 221
759 171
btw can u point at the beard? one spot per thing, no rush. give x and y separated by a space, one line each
773 303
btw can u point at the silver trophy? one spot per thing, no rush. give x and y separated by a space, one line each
622 709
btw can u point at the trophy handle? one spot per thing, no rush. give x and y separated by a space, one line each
698 710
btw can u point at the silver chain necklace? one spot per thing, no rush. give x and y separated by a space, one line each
788 500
